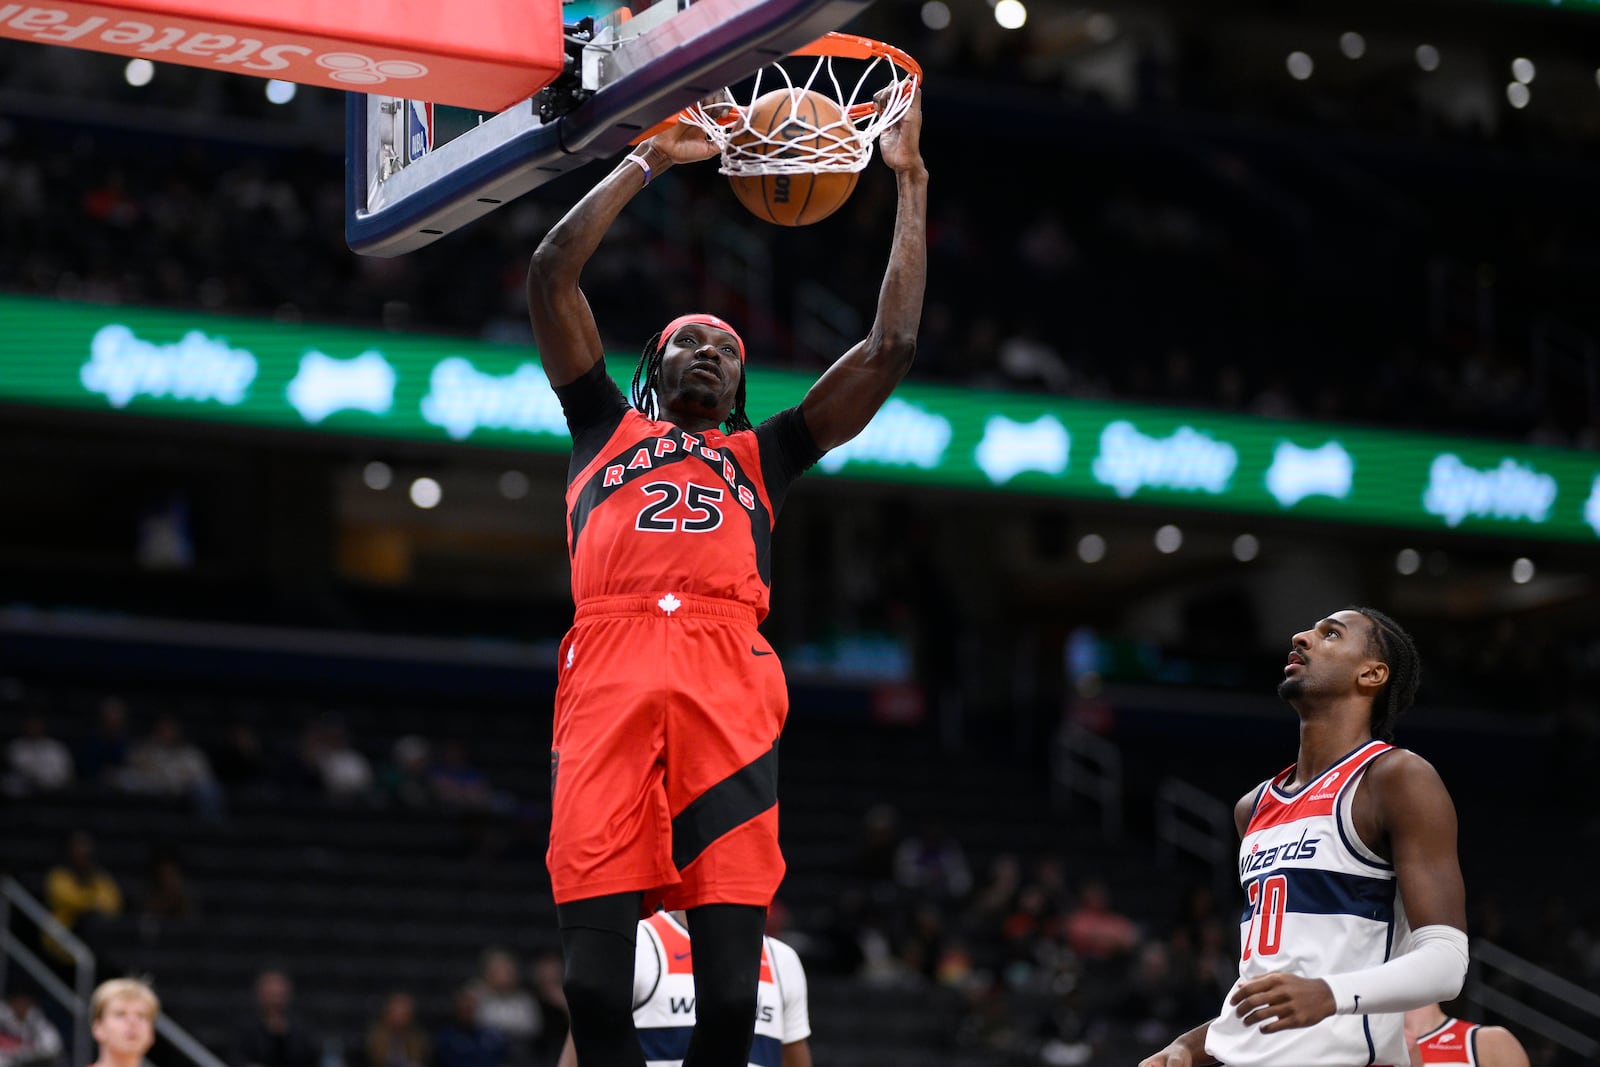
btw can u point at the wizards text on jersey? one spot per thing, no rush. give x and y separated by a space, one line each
1260 859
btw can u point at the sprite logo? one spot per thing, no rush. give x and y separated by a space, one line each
463 399
196 368
1188 460
1511 490
901 434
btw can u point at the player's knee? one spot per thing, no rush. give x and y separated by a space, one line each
732 1009
597 998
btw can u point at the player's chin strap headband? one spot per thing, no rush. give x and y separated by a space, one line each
704 320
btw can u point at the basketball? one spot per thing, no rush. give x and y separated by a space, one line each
787 117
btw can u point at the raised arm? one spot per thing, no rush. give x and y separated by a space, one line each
850 392
563 326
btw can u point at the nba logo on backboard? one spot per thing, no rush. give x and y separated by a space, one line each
419 129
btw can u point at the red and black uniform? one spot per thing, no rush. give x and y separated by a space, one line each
669 702
1453 1043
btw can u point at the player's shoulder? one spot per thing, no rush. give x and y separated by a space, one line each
786 960
1401 766
1245 806
1497 1045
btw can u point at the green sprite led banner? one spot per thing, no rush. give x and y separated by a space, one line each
260 373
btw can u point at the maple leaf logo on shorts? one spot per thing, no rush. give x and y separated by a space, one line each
669 603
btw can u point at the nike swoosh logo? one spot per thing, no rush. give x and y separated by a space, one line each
680 955
754 651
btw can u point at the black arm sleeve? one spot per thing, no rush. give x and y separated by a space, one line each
787 451
593 406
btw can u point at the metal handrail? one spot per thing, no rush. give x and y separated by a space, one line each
75 1001
1530 974
13 894
186 1043
1090 766
1191 820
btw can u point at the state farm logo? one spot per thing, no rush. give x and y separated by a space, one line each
199 43
352 69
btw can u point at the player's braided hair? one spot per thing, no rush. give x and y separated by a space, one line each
648 372
1394 646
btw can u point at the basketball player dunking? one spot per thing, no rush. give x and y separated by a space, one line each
1356 909
669 702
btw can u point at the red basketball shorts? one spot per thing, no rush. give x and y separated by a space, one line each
664 761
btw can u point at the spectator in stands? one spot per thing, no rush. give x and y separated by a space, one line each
404 779
1153 998
241 764
874 859
167 763
166 897
1095 930
343 772
79 892
921 946
35 761
27 1036
275 1035
996 896
457 783
465 1042
506 1005
122 1018
396 1039
545 977
933 864
102 757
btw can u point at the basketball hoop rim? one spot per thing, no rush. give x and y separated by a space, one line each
854 46
832 43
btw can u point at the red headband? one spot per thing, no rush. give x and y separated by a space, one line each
704 320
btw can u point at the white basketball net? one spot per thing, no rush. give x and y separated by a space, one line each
799 145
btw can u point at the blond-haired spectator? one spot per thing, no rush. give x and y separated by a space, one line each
122 1018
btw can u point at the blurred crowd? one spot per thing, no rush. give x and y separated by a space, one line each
1055 954
320 760
1162 256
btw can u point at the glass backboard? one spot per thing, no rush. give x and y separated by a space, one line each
415 172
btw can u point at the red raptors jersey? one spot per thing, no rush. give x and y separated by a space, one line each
1453 1044
659 509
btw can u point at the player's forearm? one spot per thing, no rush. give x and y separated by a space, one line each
1431 971
894 331
570 242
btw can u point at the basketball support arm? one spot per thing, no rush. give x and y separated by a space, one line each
711 44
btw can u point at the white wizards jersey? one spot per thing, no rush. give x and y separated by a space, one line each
663 996
1319 902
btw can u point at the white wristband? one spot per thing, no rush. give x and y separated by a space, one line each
1431 970
648 174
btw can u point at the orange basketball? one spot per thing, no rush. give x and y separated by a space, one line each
795 199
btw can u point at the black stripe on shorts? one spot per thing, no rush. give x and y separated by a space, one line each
731 803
